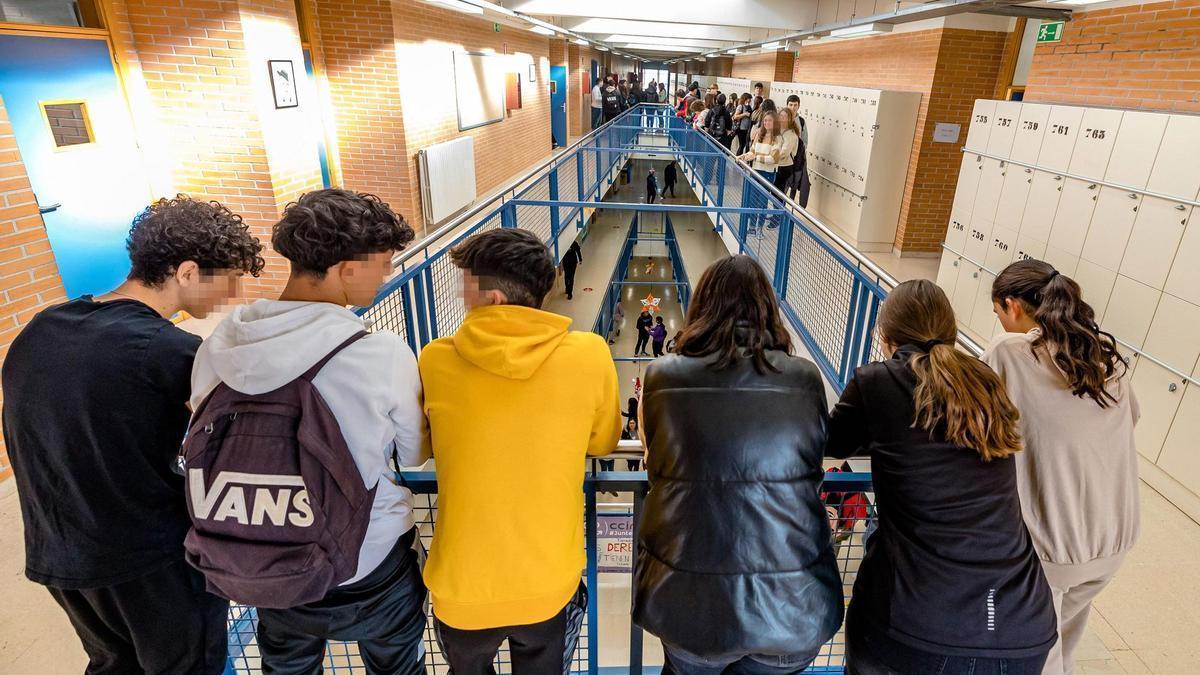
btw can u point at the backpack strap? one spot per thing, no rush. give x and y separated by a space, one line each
312 372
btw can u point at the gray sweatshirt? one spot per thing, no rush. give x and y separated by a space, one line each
1078 473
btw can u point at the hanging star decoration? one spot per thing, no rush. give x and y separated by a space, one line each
651 304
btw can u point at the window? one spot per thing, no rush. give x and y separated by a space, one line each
79 14
69 123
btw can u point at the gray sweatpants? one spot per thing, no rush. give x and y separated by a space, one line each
1074 587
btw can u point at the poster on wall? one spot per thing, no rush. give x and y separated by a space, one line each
283 83
614 542
479 87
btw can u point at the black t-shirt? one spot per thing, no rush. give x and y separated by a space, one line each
951 569
94 413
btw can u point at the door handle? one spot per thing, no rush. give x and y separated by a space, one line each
49 209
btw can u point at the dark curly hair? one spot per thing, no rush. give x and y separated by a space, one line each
171 232
513 261
325 227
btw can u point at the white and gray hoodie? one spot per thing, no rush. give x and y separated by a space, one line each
372 387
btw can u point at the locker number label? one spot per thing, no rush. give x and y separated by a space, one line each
1029 125
1097 134
977 235
1060 129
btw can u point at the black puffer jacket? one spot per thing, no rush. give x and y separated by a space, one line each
735 555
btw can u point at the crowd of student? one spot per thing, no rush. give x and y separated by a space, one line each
1006 487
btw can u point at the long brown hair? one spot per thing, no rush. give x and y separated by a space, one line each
955 391
734 293
1086 355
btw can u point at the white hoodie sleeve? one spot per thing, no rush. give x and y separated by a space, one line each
407 413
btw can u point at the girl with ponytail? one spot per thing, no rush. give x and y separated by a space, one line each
950 581
1078 474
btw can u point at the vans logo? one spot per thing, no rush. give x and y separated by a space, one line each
251 498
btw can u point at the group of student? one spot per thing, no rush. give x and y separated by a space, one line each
1006 487
773 141
611 97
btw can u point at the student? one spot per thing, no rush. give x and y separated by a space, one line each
670 176
95 407
617 320
613 103
758 90
597 104
644 322
570 261
735 570
766 148
630 433
508 549
695 110
658 335
682 103
340 246
950 581
662 93
720 122
762 109
742 122
793 104
789 146
651 186
1078 476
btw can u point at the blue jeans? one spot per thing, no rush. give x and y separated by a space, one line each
878 654
597 117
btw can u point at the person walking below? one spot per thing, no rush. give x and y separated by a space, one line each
1078 475
508 549
658 336
651 186
95 407
670 176
950 582
618 320
570 261
644 322
735 571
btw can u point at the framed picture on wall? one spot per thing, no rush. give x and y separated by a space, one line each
283 83
533 72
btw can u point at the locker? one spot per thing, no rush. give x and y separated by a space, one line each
1094 142
983 320
1013 196
987 197
981 125
1097 284
1073 215
947 275
1173 333
1062 126
979 234
1001 249
1177 167
1004 128
1110 228
1031 129
1135 148
965 287
1063 261
1184 278
1154 240
1159 392
968 184
1044 193
1029 248
1130 310
1179 457
956 232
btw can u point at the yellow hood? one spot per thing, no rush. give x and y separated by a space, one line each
509 340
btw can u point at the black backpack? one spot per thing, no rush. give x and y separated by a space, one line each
612 103
278 507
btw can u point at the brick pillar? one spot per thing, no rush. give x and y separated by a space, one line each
29 278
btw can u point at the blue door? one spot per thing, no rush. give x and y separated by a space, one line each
322 153
76 139
558 104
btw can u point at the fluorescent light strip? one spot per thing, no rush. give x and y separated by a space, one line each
861 31
459 6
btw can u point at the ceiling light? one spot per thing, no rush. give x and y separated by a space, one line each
773 45
733 51
459 6
581 41
542 30
1076 2
861 30
602 48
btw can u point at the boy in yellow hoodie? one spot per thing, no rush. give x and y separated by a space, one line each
515 403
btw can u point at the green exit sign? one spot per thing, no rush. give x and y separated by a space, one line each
495 27
1050 31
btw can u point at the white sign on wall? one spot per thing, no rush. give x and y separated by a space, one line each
944 132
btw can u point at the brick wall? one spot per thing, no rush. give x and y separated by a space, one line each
28 274
950 68
579 95
1139 56
766 67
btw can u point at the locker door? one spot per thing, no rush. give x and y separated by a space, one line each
983 319
1073 216
1177 167
1029 248
1159 392
963 299
1110 228
1063 261
1097 284
1172 335
1062 126
968 184
956 232
1004 128
1136 146
983 213
1184 278
1031 129
1044 193
1154 240
1179 457
1001 249
1013 196
981 125
1094 142
947 276
1130 310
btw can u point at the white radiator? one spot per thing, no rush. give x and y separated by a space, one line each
447 178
